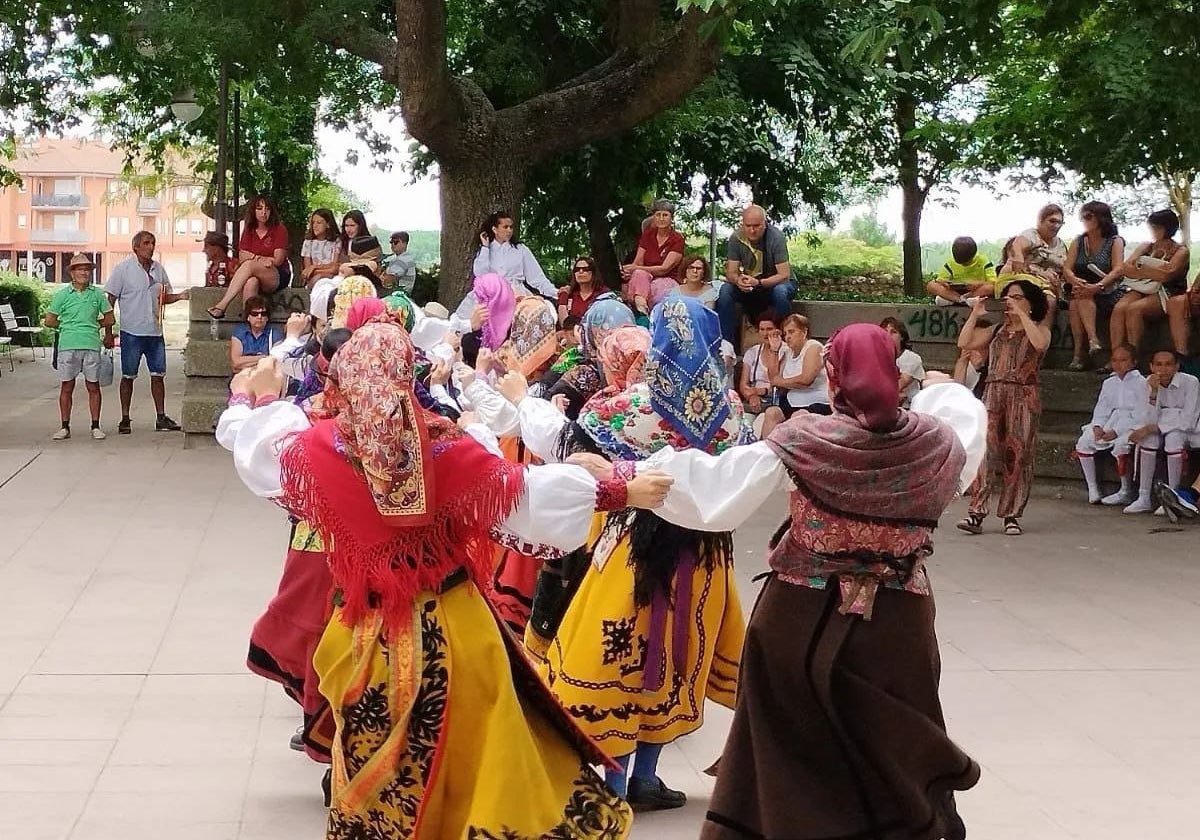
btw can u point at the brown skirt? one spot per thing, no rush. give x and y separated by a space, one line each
838 731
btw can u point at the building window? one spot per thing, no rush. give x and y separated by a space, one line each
197 227
118 225
181 194
22 221
181 226
22 187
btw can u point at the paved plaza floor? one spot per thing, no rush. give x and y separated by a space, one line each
131 570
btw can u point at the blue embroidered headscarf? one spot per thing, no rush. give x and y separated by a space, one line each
604 315
684 369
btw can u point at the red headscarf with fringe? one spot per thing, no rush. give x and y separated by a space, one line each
402 497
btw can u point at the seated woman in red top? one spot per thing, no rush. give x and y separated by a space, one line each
651 275
578 295
263 252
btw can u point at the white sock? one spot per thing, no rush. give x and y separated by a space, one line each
1174 468
1147 463
1088 464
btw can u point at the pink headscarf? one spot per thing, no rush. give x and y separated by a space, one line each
494 292
623 355
363 310
861 360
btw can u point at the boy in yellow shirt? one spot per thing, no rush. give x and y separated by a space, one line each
967 274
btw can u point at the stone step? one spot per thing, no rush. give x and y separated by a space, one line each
204 399
207 358
282 303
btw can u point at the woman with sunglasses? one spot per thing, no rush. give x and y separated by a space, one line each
254 339
581 292
1093 277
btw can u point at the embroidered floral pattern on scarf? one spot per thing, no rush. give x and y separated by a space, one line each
532 338
684 369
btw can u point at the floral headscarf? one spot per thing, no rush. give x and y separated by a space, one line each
352 289
370 386
402 304
603 316
623 355
684 369
532 338
626 426
494 292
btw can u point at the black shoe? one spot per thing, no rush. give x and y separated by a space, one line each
297 742
653 796
327 786
123 427
166 424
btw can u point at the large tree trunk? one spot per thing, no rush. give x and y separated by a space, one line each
600 241
470 192
289 182
1179 189
913 193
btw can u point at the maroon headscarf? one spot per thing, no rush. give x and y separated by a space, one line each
861 360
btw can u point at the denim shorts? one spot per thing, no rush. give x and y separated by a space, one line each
134 347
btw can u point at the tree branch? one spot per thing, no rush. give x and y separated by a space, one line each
636 20
366 43
615 96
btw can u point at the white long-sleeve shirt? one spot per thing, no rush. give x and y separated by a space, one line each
517 265
563 495
720 492
1176 407
1120 402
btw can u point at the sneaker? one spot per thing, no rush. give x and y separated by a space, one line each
941 301
1160 511
1140 505
297 742
1188 499
1181 502
123 427
1118 499
61 434
1076 365
971 301
166 424
972 523
653 795
98 434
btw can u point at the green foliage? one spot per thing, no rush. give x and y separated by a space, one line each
868 229
27 297
840 255
811 293
323 192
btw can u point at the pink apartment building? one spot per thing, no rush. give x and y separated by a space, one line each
74 199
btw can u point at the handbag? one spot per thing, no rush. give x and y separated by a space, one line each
1145 287
107 366
360 246
54 358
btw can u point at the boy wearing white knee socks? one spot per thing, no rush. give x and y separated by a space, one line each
1170 419
1118 411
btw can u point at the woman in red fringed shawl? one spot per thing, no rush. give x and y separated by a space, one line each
283 639
436 708
838 730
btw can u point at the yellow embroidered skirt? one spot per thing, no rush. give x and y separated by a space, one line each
435 725
596 663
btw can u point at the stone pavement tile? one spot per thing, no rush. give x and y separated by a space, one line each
47 778
102 647
105 726
125 828
202 646
285 792
994 810
55 753
190 696
41 815
154 807
153 740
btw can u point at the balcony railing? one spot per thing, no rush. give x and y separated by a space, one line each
148 206
50 201
50 237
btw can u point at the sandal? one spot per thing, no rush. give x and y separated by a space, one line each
216 313
1012 527
972 523
1076 364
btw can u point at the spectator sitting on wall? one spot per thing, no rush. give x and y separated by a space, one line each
583 289
399 268
755 382
651 275
1039 251
797 371
321 249
695 282
1093 276
757 272
965 275
1116 414
360 249
1180 310
254 339
263 251
221 267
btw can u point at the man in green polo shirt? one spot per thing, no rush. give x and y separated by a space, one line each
78 311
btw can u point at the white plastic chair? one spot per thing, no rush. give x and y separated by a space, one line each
12 328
